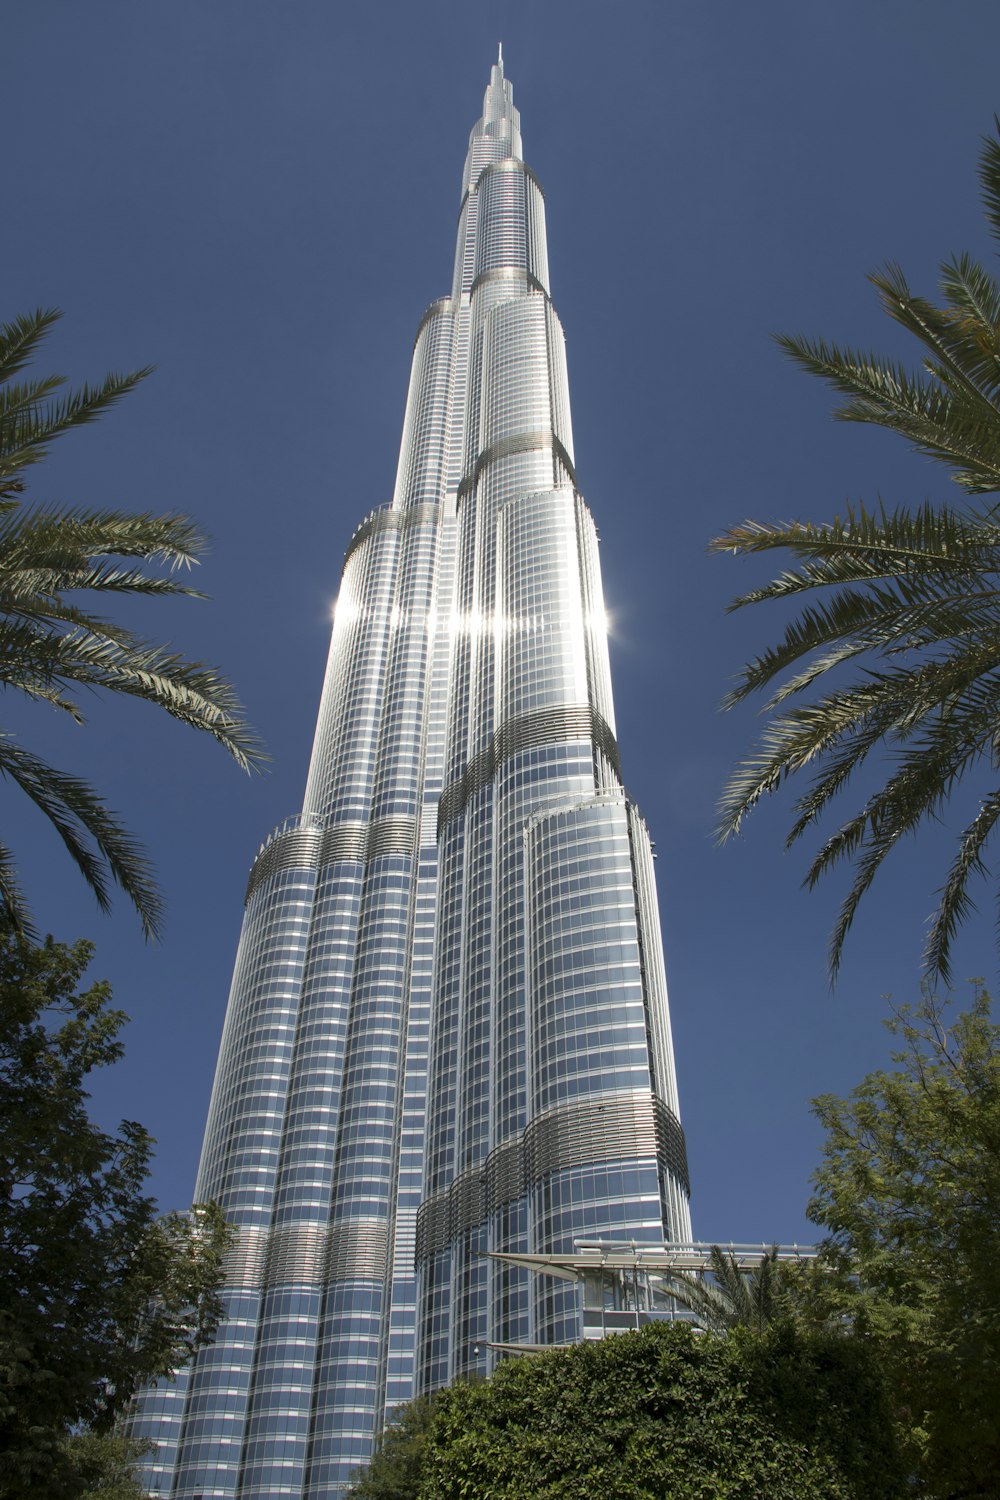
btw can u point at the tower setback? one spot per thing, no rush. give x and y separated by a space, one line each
448 1030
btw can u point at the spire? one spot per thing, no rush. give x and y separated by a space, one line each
498 103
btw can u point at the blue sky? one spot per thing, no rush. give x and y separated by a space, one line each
261 200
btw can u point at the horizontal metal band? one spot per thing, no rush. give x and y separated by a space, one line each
438 306
358 1250
518 442
577 1135
391 520
671 1143
607 1128
509 273
391 836
245 1262
505 1180
449 1213
307 1254
314 848
543 726
297 1253
295 849
509 164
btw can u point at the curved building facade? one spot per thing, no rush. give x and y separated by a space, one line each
448 1031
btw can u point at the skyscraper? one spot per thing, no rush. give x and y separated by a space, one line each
448 1031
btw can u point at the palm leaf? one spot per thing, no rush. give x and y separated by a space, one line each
97 842
913 596
20 338
52 562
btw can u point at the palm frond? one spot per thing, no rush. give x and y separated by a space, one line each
71 538
955 904
734 1297
20 338
52 562
975 296
954 426
12 902
912 596
989 178
25 438
955 341
866 546
97 842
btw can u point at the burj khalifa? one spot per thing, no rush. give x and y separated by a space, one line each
448 1033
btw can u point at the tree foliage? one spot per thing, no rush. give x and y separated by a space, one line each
909 1191
908 596
671 1414
52 644
97 1294
397 1464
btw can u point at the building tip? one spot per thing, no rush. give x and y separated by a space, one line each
499 54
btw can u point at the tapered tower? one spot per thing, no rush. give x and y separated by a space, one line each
448 1031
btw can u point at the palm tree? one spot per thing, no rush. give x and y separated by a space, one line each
913 600
734 1298
50 641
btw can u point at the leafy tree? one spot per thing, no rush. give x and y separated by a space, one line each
51 643
107 1463
97 1294
733 1298
397 1464
910 596
670 1414
909 1190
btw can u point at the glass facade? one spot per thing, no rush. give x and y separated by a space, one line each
447 1035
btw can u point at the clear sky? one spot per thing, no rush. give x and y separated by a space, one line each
260 199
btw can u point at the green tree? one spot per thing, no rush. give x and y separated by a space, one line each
909 1191
910 596
733 1298
670 1414
108 1464
51 643
97 1293
397 1464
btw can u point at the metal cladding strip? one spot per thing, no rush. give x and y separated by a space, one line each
307 1254
543 726
394 835
466 1201
296 849
506 164
450 1213
359 1250
312 848
509 274
605 1129
671 1143
437 307
344 841
505 1180
518 442
432 1225
297 1255
578 1134
245 1261
391 520
510 164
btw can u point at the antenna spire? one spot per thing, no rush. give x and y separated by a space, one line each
499 54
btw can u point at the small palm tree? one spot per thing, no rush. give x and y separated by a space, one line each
911 596
734 1298
50 641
